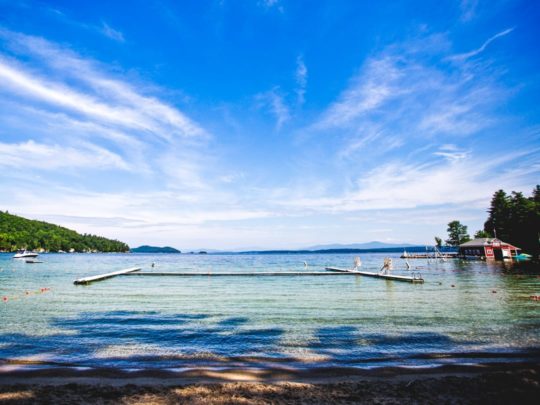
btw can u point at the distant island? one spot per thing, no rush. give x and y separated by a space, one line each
155 249
20 233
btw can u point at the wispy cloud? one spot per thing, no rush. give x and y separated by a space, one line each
31 155
374 85
110 32
467 55
448 178
301 79
102 29
273 100
468 9
95 89
401 97
268 4
407 128
56 93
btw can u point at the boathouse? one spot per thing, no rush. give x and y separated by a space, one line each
488 248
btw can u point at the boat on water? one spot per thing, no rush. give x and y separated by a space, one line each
23 254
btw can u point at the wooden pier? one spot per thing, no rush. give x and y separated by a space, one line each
99 277
409 279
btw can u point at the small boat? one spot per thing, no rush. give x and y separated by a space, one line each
33 261
522 257
23 254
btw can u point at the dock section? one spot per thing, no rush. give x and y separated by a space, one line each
240 274
415 278
99 277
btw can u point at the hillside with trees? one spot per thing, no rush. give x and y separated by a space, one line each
21 233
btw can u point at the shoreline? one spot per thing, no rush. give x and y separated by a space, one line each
211 375
501 383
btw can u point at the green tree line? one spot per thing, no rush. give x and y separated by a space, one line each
21 233
515 218
512 218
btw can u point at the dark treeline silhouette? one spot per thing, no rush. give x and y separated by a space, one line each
515 218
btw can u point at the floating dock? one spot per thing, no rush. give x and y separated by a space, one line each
99 277
239 274
415 278
331 271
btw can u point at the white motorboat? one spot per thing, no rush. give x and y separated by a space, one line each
23 254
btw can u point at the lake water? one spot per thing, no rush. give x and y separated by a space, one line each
466 312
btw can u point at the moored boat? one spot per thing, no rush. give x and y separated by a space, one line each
23 254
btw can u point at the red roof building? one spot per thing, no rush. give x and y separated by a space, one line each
488 249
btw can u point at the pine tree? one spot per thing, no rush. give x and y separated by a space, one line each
498 221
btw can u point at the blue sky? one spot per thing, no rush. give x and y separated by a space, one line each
275 124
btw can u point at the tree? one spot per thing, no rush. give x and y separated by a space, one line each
20 233
438 241
457 234
482 234
522 231
498 222
515 219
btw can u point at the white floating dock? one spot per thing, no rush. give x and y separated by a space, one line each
409 279
99 277
240 274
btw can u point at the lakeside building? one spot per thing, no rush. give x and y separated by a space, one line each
488 249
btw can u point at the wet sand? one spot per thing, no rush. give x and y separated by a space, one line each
493 384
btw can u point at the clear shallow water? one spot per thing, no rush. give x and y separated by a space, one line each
343 321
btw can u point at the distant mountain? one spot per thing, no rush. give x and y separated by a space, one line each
154 249
368 245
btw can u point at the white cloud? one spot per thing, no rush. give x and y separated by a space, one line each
376 84
110 32
101 95
467 55
456 179
468 9
401 97
32 155
273 100
301 79
58 96
150 115
268 4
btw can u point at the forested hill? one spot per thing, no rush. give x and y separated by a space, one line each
21 233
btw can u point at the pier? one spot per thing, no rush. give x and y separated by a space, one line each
99 277
415 278
331 271
239 274
428 256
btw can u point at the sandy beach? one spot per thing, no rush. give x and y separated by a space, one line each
495 384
